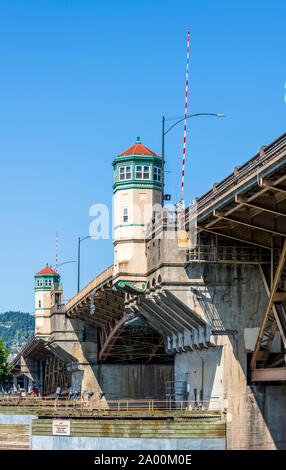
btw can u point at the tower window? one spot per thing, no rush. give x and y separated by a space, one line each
138 172
146 173
157 174
125 173
50 282
40 304
125 215
46 282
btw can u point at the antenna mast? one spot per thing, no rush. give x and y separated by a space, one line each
185 123
57 249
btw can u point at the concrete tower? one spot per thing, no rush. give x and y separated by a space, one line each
48 293
137 193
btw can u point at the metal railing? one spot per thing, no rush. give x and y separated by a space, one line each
213 253
243 171
94 284
167 220
149 405
164 405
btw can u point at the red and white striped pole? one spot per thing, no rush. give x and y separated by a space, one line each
57 250
185 122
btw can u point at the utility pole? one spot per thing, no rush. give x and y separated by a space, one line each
163 158
165 132
78 264
78 260
185 122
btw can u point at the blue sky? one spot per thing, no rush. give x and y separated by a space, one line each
80 80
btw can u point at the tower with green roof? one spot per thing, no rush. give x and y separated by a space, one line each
48 293
137 194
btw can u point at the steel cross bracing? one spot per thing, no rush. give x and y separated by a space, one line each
271 319
55 375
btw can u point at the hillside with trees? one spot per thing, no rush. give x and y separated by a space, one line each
15 329
5 368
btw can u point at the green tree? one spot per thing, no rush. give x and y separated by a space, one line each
5 369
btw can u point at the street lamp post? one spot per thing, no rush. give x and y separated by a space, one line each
61 264
78 260
168 130
66 262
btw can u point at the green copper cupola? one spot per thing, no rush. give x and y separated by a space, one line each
47 279
137 167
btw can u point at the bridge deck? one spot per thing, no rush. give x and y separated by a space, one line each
100 280
266 162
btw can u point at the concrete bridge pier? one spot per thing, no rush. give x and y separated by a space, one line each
76 343
232 299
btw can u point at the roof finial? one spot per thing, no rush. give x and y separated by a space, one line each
138 140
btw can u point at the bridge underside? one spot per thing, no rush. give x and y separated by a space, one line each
121 338
256 216
247 224
44 365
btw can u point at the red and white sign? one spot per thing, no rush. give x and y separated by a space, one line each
61 427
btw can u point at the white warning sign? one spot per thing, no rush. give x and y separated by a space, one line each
61 427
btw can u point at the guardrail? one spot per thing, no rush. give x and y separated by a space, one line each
112 405
217 253
161 221
163 405
243 171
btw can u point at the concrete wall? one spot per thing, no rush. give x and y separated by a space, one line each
232 299
109 443
49 442
120 381
202 371
106 443
128 381
16 419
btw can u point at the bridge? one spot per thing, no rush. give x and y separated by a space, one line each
197 313
249 209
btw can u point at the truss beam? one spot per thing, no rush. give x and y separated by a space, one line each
223 216
244 200
232 237
269 307
254 196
